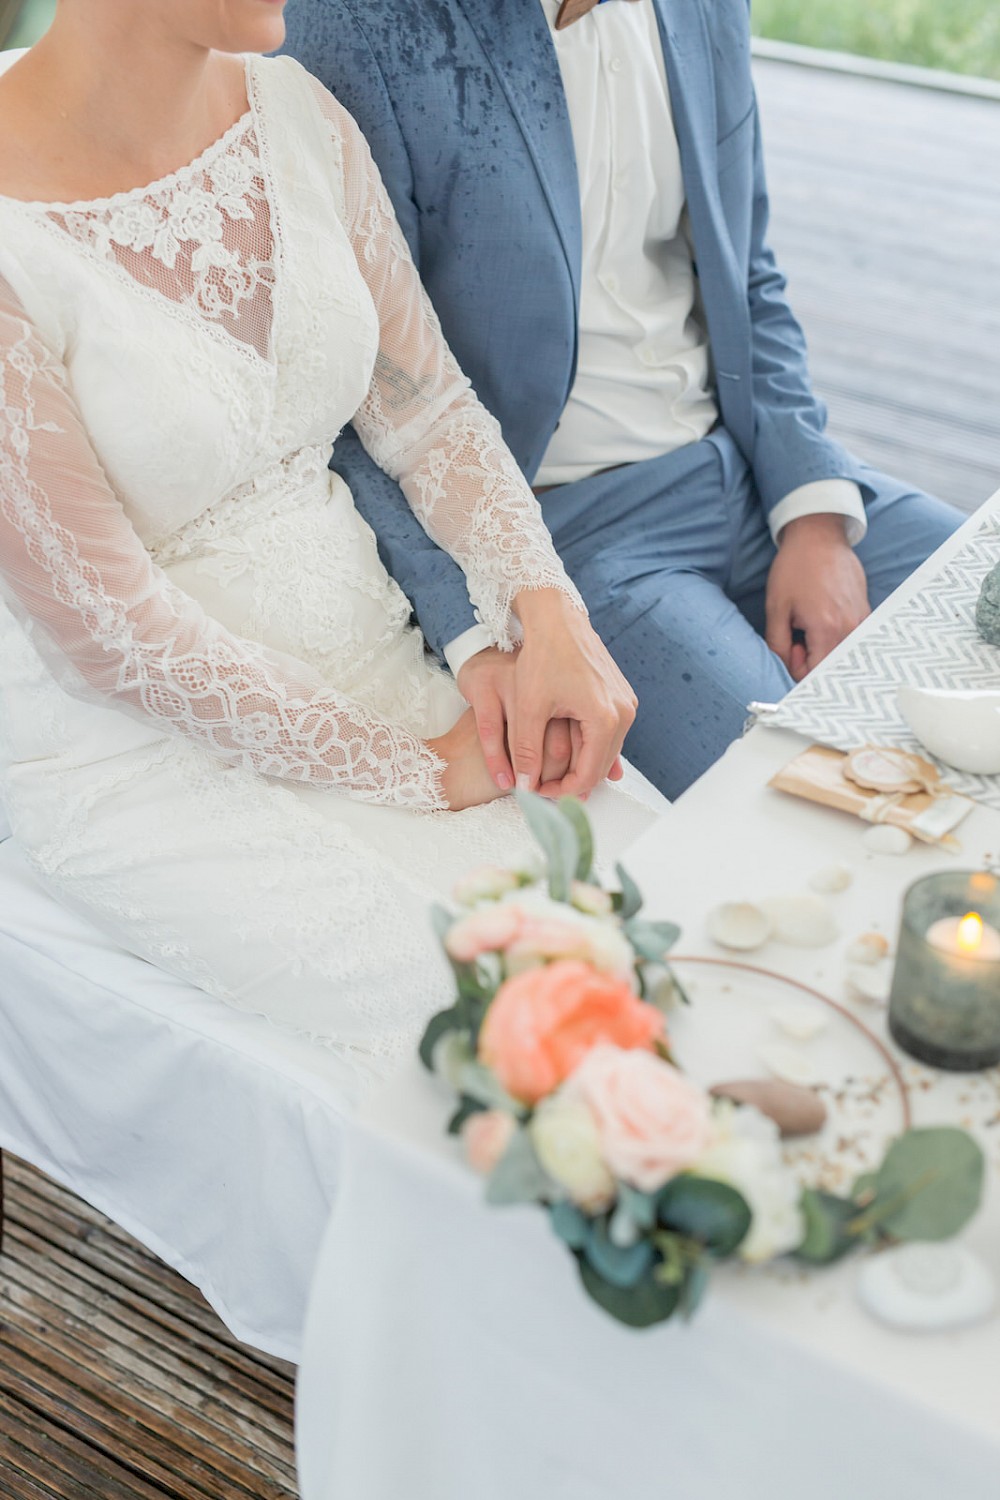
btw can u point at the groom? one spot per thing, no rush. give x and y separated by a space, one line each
582 187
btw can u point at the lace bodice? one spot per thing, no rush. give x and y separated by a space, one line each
162 350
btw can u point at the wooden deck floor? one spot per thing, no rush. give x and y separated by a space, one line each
117 1380
886 219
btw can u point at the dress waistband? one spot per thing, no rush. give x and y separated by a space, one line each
298 479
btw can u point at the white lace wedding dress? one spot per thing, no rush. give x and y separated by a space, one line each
212 705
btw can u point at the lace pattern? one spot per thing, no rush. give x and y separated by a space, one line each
72 563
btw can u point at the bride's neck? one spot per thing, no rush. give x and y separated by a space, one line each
138 99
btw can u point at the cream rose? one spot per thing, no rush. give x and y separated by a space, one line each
488 883
652 1121
745 1152
564 1134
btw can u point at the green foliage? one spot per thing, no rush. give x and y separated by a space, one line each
518 1176
651 1301
437 1027
961 36
622 1265
555 830
652 940
712 1213
630 900
573 812
929 1185
569 1223
827 1219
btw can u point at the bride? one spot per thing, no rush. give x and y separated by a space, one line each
220 736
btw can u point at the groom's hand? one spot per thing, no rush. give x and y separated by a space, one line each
817 587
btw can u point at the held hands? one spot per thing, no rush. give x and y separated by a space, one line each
816 586
553 715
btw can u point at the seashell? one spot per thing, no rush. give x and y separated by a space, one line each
885 838
789 1063
799 1021
869 948
924 1287
886 769
795 1110
831 880
871 983
801 921
960 728
739 925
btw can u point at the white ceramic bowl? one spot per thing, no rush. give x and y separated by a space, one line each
960 728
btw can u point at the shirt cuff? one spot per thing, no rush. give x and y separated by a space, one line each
457 652
830 497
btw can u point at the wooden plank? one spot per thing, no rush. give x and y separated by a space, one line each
104 1391
886 219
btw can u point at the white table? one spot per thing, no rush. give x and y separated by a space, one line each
450 1354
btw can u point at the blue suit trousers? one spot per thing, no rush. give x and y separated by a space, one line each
672 557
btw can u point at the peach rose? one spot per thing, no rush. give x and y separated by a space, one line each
486 1136
543 1023
651 1120
530 929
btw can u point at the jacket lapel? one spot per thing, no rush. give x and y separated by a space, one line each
514 35
687 52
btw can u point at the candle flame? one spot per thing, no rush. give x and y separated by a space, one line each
970 933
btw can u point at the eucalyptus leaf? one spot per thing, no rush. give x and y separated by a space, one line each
693 1288
518 1176
558 839
641 1206
569 1223
437 1027
828 1234
621 1265
929 1185
651 940
441 920
573 812
466 1109
639 1306
479 1083
713 1213
631 896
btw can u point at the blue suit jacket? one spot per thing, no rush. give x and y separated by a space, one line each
463 107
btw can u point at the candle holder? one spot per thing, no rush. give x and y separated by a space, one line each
944 1006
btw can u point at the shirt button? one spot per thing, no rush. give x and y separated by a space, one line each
616 65
610 282
647 356
619 180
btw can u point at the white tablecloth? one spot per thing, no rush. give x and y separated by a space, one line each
451 1355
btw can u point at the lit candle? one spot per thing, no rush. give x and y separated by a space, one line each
965 937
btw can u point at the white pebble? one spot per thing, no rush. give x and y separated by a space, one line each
831 879
739 925
789 1063
871 983
799 1021
923 1288
886 838
801 921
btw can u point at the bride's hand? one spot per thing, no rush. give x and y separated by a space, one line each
467 781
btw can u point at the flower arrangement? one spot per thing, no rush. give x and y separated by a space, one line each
568 1097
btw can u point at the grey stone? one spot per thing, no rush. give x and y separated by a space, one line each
988 608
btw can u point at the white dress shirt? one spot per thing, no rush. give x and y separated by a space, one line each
643 383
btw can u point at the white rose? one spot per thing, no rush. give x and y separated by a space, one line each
745 1152
590 899
488 883
564 1134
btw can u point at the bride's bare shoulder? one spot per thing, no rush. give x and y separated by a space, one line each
22 115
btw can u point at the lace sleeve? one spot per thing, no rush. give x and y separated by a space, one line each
72 565
422 423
